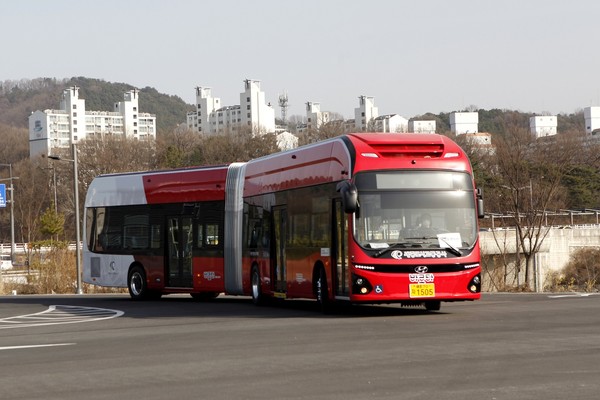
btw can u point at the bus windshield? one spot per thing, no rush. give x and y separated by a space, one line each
427 209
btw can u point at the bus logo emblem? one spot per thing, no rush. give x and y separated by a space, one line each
421 269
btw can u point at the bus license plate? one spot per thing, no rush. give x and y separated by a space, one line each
422 290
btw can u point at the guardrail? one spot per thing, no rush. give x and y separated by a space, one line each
23 248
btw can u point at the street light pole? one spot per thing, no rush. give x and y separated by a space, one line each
77 226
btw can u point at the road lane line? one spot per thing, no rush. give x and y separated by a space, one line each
34 346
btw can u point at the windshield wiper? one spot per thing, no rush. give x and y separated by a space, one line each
453 250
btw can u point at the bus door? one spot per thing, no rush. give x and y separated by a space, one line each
179 247
340 255
279 242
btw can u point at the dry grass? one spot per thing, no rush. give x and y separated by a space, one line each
52 272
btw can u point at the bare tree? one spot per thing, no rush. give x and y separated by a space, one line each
528 176
31 199
176 148
15 144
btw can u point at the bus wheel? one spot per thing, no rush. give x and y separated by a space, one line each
138 288
258 297
321 291
433 305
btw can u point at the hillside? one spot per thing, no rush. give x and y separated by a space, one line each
18 99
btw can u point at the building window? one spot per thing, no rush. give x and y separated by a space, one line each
248 115
248 99
74 106
75 115
248 107
134 116
134 108
135 124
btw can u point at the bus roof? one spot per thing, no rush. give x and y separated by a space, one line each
331 160
155 187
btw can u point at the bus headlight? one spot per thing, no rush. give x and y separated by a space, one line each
475 284
361 285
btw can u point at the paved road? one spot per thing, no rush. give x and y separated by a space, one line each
506 346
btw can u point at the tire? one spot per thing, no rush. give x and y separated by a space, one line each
137 285
258 297
321 291
433 305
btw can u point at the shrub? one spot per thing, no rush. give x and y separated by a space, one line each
583 270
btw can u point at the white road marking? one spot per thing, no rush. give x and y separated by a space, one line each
560 296
33 346
59 314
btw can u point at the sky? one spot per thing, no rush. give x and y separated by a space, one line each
412 57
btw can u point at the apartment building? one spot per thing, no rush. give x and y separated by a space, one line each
464 122
423 126
543 125
365 113
58 129
315 118
592 120
392 123
253 112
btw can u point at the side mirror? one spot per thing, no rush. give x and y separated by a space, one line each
349 194
480 211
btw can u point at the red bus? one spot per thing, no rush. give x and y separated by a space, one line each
364 217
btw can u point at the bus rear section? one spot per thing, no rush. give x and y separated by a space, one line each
157 232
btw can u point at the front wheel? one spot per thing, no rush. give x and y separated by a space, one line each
433 305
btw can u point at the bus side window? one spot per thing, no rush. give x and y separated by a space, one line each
155 238
208 235
200 237
255 235
212 235
266 231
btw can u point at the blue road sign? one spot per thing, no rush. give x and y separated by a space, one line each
2 195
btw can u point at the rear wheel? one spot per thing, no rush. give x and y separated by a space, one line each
321 291
258 297
136 282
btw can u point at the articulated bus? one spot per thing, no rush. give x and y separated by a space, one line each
362 218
